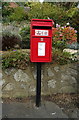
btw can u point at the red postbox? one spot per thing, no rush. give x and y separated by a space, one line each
41 40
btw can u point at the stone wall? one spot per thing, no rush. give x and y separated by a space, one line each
55 79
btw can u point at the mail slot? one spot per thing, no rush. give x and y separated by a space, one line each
41 40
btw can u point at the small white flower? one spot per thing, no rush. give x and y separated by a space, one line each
68 23
56 24
75 31
62 27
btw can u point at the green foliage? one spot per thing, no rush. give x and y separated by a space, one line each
61 57
73 17
60 12
45 10
15 58
19 14
20 58
35 11
25 34
30 4
59 44
71 12
6 11
9 40
66 5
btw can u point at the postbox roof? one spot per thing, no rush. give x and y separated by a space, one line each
42 19
42 22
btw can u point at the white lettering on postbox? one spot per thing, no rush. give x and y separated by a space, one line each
41 48
41 32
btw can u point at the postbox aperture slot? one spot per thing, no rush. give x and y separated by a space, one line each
41 27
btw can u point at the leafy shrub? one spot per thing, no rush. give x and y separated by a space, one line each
47 9
25 34
73 14
19 14
9 40
74 46
6 11
20 58
15 58
61 57
63 36
59 44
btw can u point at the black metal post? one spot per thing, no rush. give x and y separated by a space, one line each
38 85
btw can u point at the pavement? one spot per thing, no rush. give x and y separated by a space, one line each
29 110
